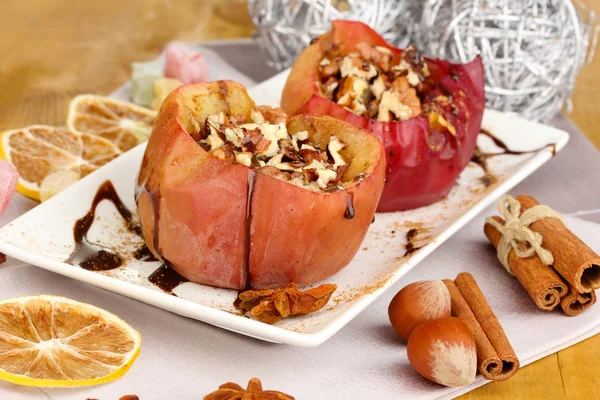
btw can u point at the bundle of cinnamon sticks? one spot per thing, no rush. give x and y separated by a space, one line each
573 276
496 359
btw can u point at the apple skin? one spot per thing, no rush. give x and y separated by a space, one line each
194 209
422 163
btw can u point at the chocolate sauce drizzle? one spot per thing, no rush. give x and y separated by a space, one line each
247 226
350 213
480 158
410 246
144 254
92 256
166 278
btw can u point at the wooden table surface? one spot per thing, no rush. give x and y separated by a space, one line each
52 50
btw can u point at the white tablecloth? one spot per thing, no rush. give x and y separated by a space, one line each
186 359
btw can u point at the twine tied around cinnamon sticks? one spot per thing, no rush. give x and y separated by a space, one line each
516 233
569 280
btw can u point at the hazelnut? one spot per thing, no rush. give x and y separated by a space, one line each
416 304
444 351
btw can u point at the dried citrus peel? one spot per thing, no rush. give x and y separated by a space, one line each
53 341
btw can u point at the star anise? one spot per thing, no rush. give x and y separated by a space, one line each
2 258
233 391
269 306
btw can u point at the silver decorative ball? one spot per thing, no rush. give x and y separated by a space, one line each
532 49
286 27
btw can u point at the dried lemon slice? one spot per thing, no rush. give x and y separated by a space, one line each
55 341
56 183
40 150
122 123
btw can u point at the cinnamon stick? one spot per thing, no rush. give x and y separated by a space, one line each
495 356
573 260
574 303
487 358
2 258
541 282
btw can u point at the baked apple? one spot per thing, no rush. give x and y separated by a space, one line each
237 196
426 112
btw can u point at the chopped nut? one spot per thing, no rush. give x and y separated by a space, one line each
224 153
215 139
401 100
290 150
294 159
272 115
390 103
309 154
255 141
380 56
234 136
276 159
244 158
355 67
330 85
352 93
310 175
330 69
287 166
325 176
366 74
378 87
269 306
335 146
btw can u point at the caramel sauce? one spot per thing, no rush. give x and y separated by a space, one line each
92 256
166 278
410 246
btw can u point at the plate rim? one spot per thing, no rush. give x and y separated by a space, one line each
236 323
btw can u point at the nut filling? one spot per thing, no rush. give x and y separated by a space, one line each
265 144
370 83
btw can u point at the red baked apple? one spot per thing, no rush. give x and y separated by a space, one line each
426 112
237 196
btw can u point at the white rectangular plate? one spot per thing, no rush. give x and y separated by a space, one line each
44 236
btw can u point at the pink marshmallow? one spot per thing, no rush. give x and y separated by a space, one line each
8 183
185 64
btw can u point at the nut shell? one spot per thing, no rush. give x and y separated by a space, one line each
418 303
443 351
